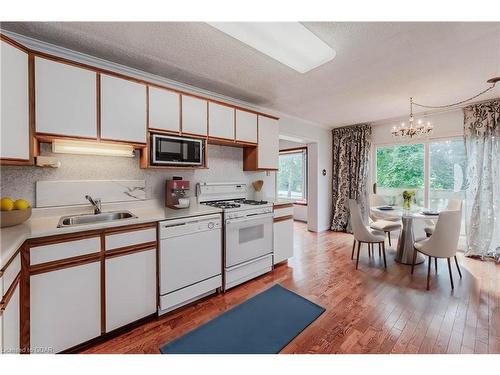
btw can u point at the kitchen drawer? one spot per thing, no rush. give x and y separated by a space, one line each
10 274
171 301
130 238
284 211
247 271
63 250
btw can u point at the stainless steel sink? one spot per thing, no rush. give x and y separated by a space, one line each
72 220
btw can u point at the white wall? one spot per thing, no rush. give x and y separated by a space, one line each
319 152
285 144
446 124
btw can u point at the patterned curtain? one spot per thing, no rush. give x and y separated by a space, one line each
482 194
351 152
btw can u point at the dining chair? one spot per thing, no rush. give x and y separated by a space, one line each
383 224
364 234
453 205
442 244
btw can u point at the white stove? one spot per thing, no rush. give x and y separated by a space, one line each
248 230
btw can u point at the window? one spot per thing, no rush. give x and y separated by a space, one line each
447 171
403 167
292 175
400 168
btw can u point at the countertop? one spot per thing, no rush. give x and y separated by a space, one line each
44 221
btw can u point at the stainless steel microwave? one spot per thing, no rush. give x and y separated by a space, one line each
171 150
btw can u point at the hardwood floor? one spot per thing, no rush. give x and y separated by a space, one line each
370 310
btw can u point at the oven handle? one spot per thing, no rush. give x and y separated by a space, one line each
257 217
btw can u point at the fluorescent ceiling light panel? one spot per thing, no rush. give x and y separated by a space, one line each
64 146
290 43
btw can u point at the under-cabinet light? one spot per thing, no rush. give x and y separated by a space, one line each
65 146
290 43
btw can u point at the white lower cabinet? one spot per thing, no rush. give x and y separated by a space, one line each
283 240
10 325
65 307
130 288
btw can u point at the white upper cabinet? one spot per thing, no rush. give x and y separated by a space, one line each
123 110
220 121
194 115
246 126
164 109
14 129
268 148
65 99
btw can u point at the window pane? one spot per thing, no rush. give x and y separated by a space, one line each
447 171
400 168
291 176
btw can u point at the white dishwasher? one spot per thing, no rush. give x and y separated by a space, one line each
190 263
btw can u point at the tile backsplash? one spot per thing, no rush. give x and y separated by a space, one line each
225 164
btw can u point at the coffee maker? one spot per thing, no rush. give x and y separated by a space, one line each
176 193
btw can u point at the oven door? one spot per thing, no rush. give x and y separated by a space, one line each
248 238
168 150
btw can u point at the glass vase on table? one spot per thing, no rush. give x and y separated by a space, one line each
408 199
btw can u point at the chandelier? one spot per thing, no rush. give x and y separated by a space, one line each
424 128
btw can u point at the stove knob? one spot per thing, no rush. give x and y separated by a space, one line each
211 225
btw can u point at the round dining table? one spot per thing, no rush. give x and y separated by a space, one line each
406 240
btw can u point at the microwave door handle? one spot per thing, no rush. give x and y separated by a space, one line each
251 218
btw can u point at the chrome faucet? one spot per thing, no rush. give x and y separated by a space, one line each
96 203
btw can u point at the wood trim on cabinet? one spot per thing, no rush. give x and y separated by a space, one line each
282 218
133 144
129 228
24 308
163 131
10 291
15 161
130 249
34 150
11 259
13 43
103 282
98 104
58 238
250 158
280 205
191 135
208 119
49 138
64 263
234 125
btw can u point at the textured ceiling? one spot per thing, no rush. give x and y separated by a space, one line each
377 68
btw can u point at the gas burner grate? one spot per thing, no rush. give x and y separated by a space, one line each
251 202
223 204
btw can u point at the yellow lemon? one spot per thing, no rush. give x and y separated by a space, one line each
21 204
6 204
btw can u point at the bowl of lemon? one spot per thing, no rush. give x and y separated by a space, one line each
14 212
